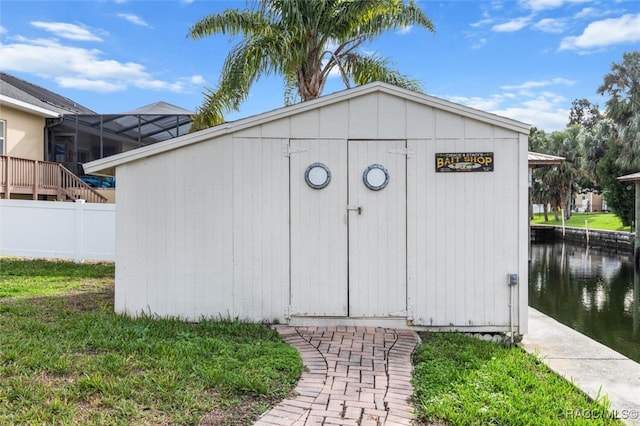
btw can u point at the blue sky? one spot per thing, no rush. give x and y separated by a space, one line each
527 60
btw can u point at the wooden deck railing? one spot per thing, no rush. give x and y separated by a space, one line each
36 178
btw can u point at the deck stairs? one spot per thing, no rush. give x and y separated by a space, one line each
23 178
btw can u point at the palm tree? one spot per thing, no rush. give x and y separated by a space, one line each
303 41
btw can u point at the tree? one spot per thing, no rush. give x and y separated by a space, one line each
537 140
595 143
541 192
563 177
303 41
602 165
622 84
584 113
556 185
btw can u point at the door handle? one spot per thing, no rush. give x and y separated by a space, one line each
358 208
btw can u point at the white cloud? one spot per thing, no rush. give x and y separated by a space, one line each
547 120
484 104
513 25
197 79
134 19
587 12
405 30
80 68
540 83
100 86
66 30
482 22
3 30
486 20
538 5
479 43
550 25
625 29
527 102
545 110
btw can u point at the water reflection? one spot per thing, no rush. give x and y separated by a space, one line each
594 292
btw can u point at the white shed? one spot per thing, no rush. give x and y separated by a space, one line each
371 206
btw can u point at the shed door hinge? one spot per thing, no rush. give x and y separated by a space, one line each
402 151
287 150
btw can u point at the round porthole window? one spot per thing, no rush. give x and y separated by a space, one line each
375 177
317 175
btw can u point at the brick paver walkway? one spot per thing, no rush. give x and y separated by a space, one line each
354 376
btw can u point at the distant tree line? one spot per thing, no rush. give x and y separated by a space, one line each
598 147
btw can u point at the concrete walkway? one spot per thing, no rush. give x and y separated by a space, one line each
354 376
593 367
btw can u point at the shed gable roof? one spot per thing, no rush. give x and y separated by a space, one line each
109 163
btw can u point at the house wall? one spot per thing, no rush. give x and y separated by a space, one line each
204 231
589 202
24 134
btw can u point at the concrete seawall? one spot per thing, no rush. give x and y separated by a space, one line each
614 240
590 365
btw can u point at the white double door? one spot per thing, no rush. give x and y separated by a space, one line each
348 240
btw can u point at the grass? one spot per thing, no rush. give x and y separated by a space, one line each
20 278
66 358
461 380
605 221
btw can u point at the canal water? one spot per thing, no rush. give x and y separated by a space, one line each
594 292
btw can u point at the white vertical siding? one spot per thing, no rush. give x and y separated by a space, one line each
260 228
221 227
392 117
463 228
334 121
521 301
377 235
319 231
174 234
363 118
306 125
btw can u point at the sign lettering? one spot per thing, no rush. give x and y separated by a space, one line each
451 162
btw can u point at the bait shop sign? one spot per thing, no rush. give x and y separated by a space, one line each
452 162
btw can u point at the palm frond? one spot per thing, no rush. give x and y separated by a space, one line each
215 105
367 69
230 21
291 38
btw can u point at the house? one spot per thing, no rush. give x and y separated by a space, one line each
589 202
44 132
371 206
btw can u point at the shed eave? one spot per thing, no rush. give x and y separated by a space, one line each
536 159
634 177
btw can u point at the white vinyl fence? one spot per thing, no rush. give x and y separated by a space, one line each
47 229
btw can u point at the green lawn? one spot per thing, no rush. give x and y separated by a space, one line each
607 221
461 380
66 358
